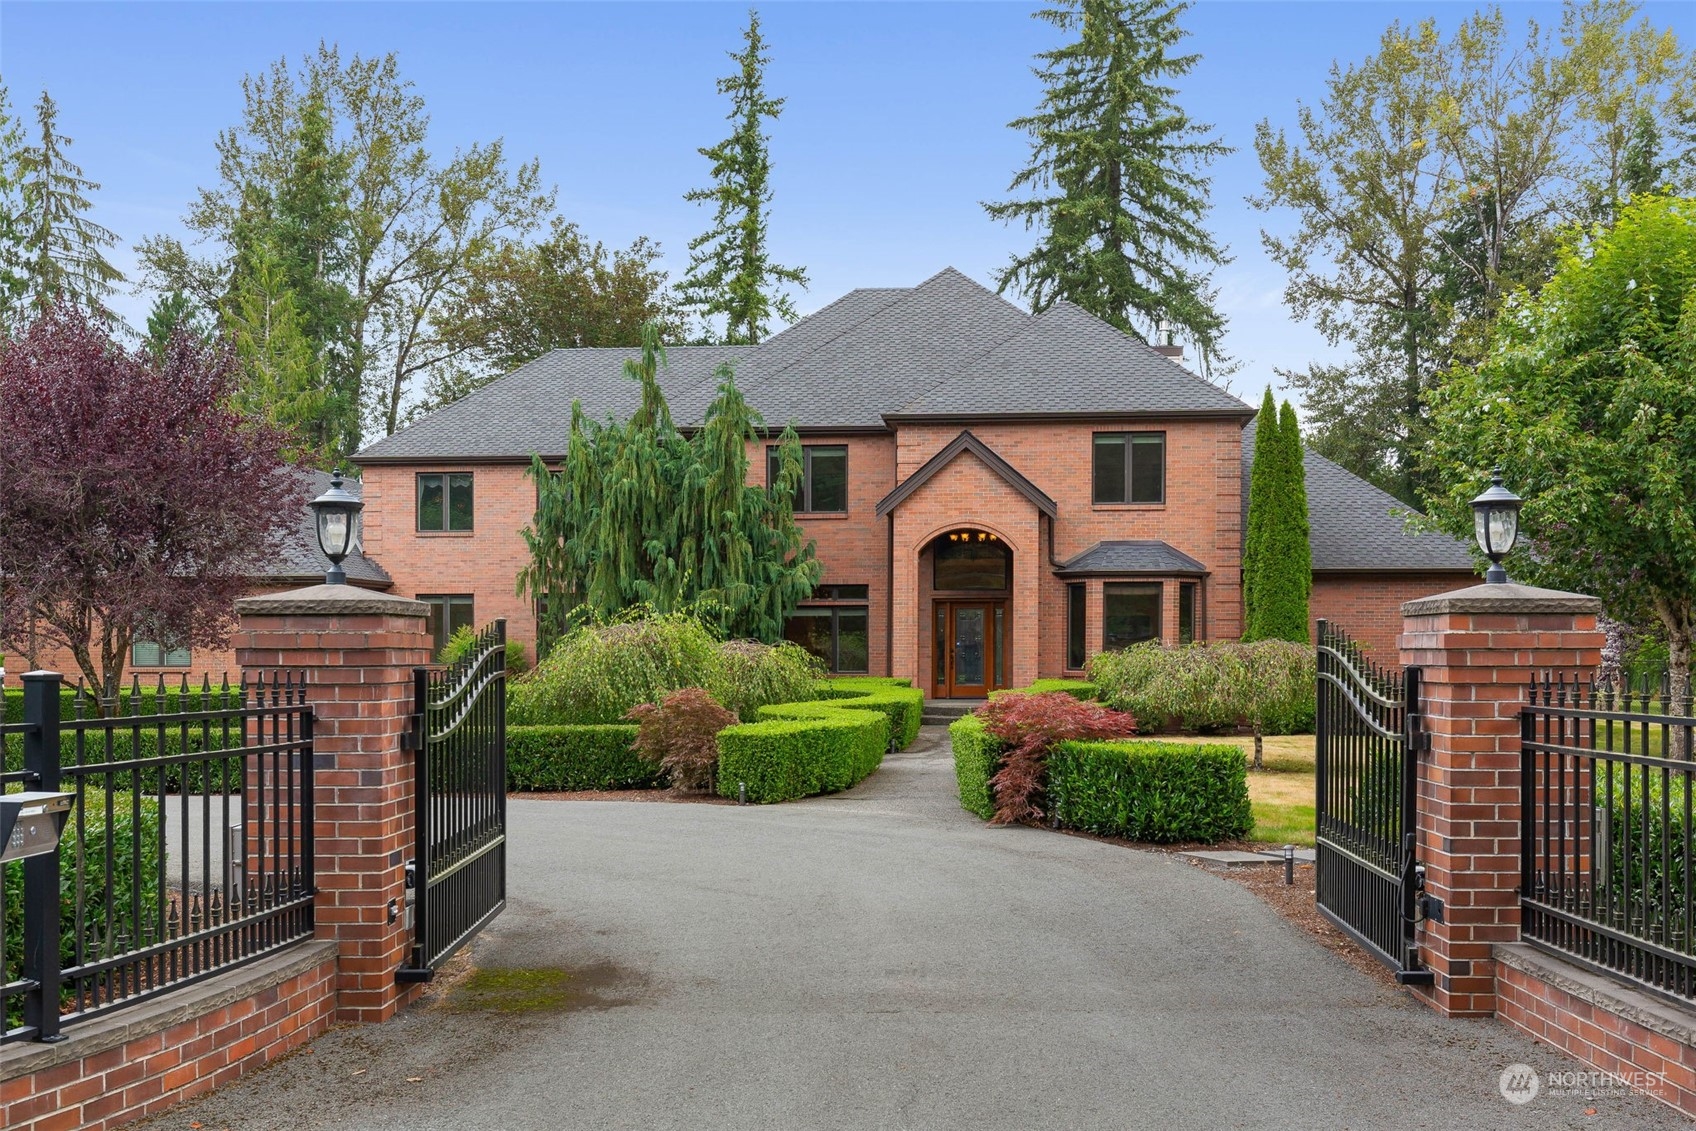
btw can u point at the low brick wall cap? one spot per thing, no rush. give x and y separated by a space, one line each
344 600
1505 598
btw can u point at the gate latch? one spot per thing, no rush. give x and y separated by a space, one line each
1414 735
411 874
1430 907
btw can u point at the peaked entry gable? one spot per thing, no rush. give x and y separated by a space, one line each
966 442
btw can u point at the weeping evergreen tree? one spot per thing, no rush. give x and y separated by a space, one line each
1277 557
64 252
639 514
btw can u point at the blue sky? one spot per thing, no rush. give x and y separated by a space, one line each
894 130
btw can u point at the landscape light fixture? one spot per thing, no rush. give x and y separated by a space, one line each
337 514
1495 523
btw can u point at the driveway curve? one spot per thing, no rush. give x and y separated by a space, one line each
881 959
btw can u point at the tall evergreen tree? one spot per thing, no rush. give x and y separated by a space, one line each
731 273
174 313
281 382
1277 559
14 284
63 250
1262 495
1116 177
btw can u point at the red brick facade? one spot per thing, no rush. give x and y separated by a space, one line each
890 555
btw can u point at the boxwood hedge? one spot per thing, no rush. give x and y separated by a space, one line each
1161 792
903 703
976 756
587 756
799 749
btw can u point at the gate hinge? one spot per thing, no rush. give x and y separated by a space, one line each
1414 735
412 739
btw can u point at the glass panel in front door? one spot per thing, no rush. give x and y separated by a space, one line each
968 646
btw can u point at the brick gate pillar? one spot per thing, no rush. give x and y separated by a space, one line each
357 649
1477 649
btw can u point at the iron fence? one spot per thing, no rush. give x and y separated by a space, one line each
1606 818
188 849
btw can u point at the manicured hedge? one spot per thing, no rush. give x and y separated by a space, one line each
174 700
222 774
590 756
976 756
896 698
1152 791
1076 688
799 749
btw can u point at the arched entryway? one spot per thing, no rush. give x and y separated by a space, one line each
970 589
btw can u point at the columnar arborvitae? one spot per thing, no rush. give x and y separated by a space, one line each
1260 510
1277 558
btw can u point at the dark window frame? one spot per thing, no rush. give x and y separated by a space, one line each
833 613
1115 588
1128 489
441 615
1077 624
804 489
1189 594
446 487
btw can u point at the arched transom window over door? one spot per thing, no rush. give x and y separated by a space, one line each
972 561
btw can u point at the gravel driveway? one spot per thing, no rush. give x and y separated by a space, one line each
881 959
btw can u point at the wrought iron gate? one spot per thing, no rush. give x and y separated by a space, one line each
1367 728
458 736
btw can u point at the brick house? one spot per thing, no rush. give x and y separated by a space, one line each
994 495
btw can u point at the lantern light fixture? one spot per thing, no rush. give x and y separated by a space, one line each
336 515
1495 523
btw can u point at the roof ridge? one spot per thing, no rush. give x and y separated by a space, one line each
958 368
904 292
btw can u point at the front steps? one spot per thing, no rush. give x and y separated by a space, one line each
941 712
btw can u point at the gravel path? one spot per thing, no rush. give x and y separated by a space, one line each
881 959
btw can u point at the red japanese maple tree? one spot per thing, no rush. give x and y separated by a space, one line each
1031 726
133 499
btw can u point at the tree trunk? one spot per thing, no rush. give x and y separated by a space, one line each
1259 759
1676 617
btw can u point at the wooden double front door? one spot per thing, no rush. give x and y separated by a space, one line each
968 648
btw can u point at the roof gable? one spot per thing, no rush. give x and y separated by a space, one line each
966 442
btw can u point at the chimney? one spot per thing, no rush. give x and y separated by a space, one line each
1175 352
1163 344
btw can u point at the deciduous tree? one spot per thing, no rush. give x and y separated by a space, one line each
731 273
1587 402
134 499
1116 180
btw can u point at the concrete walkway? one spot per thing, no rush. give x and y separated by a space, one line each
880 959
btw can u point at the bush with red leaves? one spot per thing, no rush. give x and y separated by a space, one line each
1031 726
679 735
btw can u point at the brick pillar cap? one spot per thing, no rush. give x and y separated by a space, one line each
345 600
1506 598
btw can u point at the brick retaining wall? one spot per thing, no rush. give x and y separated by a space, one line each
142 1059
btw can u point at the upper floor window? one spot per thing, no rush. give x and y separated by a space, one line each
1130 467
823 488
444 501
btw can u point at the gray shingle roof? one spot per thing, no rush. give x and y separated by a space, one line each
299 558
947 347
1130 557
1353 525
529 410
1066 360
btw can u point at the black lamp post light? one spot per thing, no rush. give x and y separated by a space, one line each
1495 523
337 515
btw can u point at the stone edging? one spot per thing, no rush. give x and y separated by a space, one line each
1601 992
147 1018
